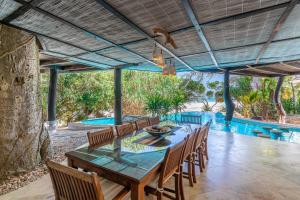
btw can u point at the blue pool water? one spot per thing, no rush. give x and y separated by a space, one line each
96 121
239 126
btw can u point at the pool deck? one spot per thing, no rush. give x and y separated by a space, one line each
240 167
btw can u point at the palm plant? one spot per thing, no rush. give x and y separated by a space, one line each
154 104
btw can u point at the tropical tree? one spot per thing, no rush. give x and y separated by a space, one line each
80 95
215 93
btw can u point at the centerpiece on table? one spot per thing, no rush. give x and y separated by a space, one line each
157 130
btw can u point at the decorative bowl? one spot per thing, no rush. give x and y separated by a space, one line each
157 130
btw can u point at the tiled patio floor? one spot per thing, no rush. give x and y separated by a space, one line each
240 167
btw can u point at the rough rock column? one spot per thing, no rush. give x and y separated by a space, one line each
227 98
24 142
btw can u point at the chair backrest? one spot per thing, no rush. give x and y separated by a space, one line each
71 184
101 136
124 129
191 119
154 120
141 123
172 162
207 126
199 138
191 138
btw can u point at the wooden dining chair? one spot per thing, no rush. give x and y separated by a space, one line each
154 121
101 136
142 123
124 129
170 168
201 148
204 141
188 157
197 157
191 119
71 184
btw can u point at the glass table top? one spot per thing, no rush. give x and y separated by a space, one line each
134 155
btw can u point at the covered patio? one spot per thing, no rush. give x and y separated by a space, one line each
253 38
257 38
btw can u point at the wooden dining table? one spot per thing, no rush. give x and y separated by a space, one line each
133 161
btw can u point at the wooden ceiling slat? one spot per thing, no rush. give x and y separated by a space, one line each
95 36
140 30
277 27
237 27
199 30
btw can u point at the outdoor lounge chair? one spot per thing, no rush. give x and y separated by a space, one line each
124 129
154 121
170 168
101 136
71 184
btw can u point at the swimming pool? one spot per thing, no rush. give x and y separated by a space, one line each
239 126
97 121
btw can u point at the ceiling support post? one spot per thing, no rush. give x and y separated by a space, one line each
279 107
118 95
229 105
52 99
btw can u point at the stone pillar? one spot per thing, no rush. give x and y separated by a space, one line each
24 142
280 110
52 99
118 96
227 98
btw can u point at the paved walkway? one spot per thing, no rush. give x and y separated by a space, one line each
240 167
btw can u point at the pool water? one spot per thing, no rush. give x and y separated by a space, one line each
239 126
97 121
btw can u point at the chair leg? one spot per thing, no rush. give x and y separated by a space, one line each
206 151
181 184
159 195
200 161
194 168
190 169
203 160
177 187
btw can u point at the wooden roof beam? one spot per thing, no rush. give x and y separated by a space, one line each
47 63
57 40
199 30
27 6
260 70
250 73
277 27
291 64
90 33
116 13
269 68
68 57
219 21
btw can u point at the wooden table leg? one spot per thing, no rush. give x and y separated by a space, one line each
137 191
70 163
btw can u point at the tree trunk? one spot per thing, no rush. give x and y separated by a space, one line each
277 101
24 142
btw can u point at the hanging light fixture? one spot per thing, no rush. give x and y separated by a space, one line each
158 57
169 69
